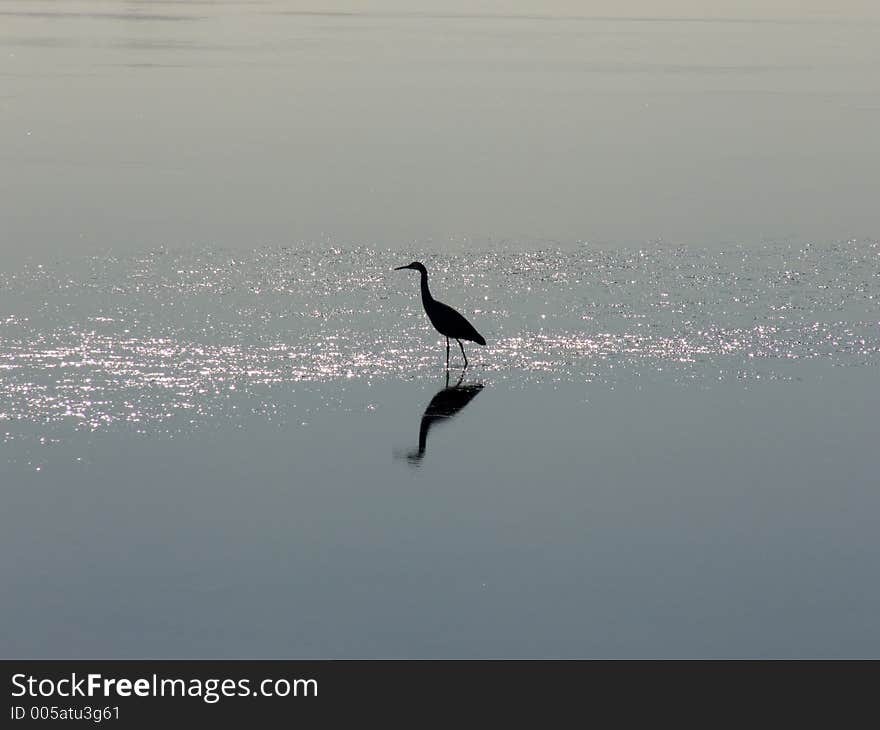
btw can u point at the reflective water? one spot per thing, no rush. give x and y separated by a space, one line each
181 337
226 425
643 520
216 454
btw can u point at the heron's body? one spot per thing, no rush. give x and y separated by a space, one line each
445 319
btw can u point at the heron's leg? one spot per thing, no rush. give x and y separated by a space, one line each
462 352
447 353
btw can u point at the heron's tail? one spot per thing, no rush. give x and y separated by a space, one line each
479 339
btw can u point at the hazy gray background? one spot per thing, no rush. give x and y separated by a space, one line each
126 125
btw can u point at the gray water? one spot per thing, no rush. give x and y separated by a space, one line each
130 125
215 454
218 401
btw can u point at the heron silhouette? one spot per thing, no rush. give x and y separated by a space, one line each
445 404
445 319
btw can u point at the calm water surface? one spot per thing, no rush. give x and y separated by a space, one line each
217 454
226 427
129 125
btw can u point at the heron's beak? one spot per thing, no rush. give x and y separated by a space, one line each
398 268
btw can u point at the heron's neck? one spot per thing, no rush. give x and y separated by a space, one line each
426 293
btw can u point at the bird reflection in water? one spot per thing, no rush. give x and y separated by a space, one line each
448 401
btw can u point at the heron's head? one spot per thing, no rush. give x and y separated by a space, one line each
416 266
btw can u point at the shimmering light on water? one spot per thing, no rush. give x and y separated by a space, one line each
143 340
